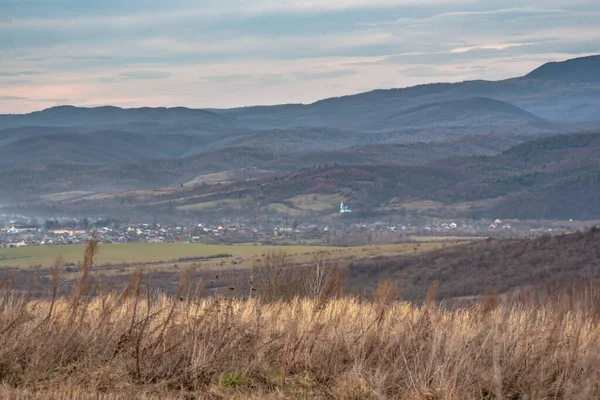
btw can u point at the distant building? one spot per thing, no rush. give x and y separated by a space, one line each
344 208
62 232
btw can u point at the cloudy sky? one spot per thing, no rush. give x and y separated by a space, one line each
226 53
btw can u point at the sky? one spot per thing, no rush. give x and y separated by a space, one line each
230 53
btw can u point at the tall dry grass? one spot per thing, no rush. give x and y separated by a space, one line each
142 344
302 348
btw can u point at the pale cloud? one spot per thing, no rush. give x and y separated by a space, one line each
421 71
496 46
12 98
315 75
145 75
16 82
19 73
232 78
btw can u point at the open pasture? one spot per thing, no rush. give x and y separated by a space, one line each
167 254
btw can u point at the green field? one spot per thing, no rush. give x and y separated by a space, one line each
24 257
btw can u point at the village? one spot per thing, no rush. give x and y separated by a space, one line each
18 231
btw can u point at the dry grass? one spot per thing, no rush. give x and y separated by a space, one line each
143 344
166 253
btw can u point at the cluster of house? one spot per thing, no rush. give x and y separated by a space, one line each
15 235
498 224
439 227
18 232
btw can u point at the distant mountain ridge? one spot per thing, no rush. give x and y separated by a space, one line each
573 97
516 91
68 116
584 69
389 132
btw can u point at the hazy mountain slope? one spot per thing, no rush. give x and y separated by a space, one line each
296 140
530 180
64 116
584 69
555 177
24 132
574 100
372 185
575 195
416 153
109 148
101 147
527 105
30 183
475 115
131 171
464 110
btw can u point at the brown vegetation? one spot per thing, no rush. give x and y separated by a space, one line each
149 346
492 265
296 336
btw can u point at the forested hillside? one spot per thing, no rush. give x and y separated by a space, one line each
470 149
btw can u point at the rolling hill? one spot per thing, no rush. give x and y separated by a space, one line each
553 177
97 148
487 266
26 179
390 153
462 111
296 140
550 177
381 149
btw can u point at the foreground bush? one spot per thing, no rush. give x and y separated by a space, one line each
144 345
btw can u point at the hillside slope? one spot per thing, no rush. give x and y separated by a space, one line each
486 266
462 111
584 69
551 177
97 148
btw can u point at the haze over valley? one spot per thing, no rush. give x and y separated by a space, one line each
495 147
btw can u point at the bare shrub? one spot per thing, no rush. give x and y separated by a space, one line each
277 278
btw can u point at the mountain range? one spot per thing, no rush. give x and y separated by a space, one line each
377 137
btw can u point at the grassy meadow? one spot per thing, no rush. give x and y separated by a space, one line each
24 257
